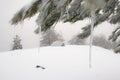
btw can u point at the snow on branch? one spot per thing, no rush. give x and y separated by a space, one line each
26 12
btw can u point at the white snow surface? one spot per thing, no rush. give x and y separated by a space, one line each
61 63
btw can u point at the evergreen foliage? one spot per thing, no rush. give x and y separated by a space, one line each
49 38
117 49
17 43
51 11
77 41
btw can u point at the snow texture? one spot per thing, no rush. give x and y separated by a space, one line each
60 63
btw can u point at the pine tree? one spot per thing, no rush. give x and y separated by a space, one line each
17 43
50 37
103 42
77 41
52 11
117 49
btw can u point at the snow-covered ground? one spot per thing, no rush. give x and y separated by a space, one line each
61 63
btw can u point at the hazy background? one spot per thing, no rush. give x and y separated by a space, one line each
26 29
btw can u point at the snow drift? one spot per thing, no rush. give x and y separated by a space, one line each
61 63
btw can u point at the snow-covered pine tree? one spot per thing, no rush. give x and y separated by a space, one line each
52 11
50 37
117 49
77 41
114 37
17 43
103 42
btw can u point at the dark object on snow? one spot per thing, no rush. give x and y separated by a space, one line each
38 66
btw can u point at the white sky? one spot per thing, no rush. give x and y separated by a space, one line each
26 30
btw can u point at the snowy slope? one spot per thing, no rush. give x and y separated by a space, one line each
61 63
